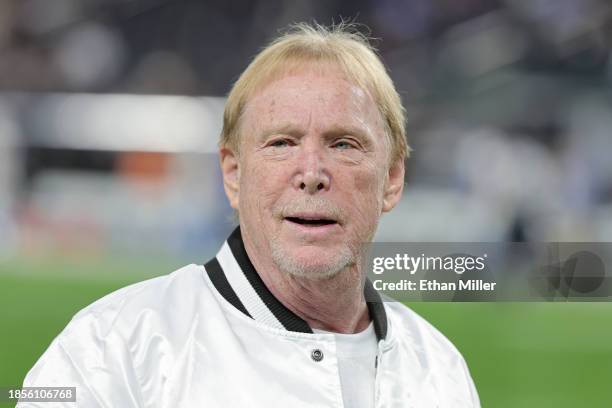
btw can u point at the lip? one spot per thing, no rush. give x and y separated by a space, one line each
312 216
312 231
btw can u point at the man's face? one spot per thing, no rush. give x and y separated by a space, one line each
312 177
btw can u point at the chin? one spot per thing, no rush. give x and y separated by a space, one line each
311 262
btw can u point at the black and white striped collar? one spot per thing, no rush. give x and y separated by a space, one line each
235 278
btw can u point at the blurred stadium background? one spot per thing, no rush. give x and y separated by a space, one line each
110 112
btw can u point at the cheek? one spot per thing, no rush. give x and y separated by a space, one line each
365 196
260 186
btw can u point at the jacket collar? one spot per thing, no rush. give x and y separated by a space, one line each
236 279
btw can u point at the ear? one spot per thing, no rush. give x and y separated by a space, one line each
231 175
394 185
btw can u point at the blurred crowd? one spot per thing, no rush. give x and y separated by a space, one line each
508 101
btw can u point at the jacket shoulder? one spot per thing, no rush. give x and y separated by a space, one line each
408 325
123 308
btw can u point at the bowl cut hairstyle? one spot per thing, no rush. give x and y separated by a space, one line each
317 47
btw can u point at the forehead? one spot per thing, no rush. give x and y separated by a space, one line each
322 96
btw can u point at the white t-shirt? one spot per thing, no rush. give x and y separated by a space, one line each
356 355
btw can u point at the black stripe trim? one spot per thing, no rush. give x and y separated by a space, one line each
217 276
286 317
376 307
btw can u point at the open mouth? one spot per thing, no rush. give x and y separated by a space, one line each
314 222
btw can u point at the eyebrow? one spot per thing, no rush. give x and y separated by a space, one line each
334 131
340 130
284 129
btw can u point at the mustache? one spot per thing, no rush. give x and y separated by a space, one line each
311 204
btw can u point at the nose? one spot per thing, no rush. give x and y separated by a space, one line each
312 174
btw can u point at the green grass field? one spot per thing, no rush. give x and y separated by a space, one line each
520 355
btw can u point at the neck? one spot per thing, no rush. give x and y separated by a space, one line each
335 304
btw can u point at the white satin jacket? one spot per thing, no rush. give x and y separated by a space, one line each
214 336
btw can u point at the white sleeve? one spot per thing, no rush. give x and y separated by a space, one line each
472 387
96 363
56 369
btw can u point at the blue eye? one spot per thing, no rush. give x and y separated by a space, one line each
342 145
279 143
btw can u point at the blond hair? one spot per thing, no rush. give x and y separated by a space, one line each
341 45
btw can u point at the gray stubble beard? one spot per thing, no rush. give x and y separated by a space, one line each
288 265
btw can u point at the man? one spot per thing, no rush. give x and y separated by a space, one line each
312 154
